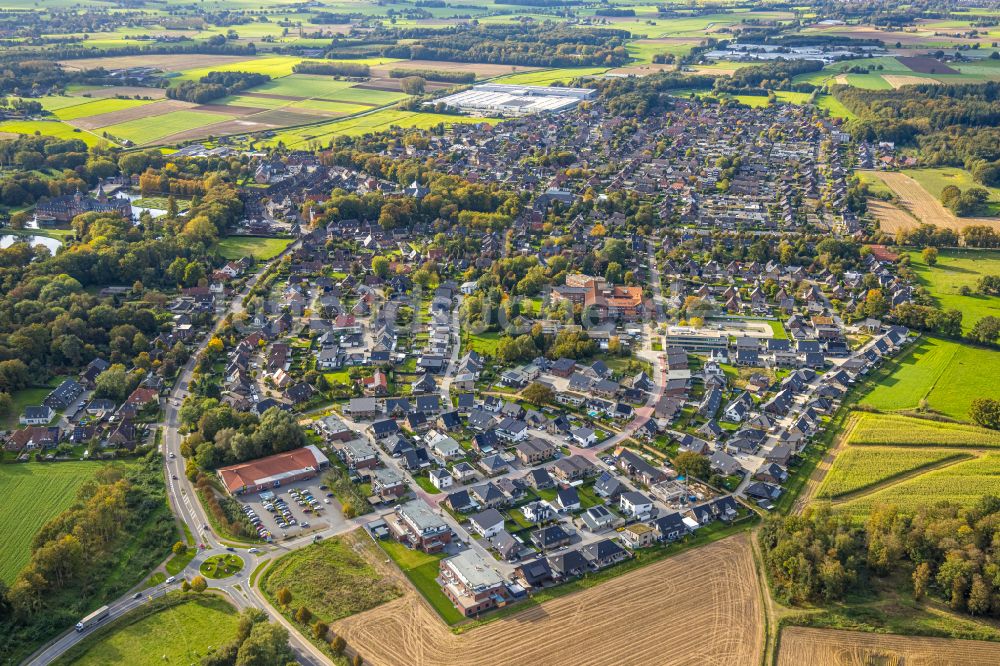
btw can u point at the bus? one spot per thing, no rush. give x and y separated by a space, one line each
93 618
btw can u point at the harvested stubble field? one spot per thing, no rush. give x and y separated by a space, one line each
832 647
706 598
924 206
900 80
481 70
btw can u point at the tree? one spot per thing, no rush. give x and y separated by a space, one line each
338 644
986 330
538 394
921 579
303 615
185 586
380 266
113 383
284 596
412 85
979 596
266 645
692 464
179 548
930 255
319 629
199 584
357 661
986 412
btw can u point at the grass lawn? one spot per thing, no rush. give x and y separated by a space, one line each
221 566
161 203
334 578
181 634
177 563
21 399
550 76
484 343
237 247
422 570
956 269
33 494
948 375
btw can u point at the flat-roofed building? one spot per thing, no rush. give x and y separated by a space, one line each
513 100
472 584
415 523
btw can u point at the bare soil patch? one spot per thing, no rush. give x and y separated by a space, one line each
926 65
900 80
831 647
227 109
124 91
168 62
705 603
136 112
925 207
482 70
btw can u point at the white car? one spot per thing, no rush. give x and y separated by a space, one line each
170 580
254 551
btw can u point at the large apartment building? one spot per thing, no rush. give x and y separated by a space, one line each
472 584
416 525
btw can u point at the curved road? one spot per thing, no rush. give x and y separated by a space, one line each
188 509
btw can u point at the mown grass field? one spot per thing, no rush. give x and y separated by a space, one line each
899 430
963 483
935 180
948 375
55 128
859 468
97 107
954 270
147 130
548 76
33 494
333 578
181 634
237 247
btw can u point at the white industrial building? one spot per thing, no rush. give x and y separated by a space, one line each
512 100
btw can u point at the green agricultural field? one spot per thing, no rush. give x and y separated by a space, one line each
33 494
948 375
147 130
333 578
369 123
97 107
963 483
181 634
342 108
275 66
54 128
935 180
954 270
549 76
899 430
237 247
875 184
858 468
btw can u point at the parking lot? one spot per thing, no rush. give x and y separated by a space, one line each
290 510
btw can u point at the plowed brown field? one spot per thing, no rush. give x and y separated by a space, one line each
830 647
700 607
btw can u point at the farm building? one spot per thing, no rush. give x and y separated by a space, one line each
272 471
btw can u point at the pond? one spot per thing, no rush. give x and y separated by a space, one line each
53 244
